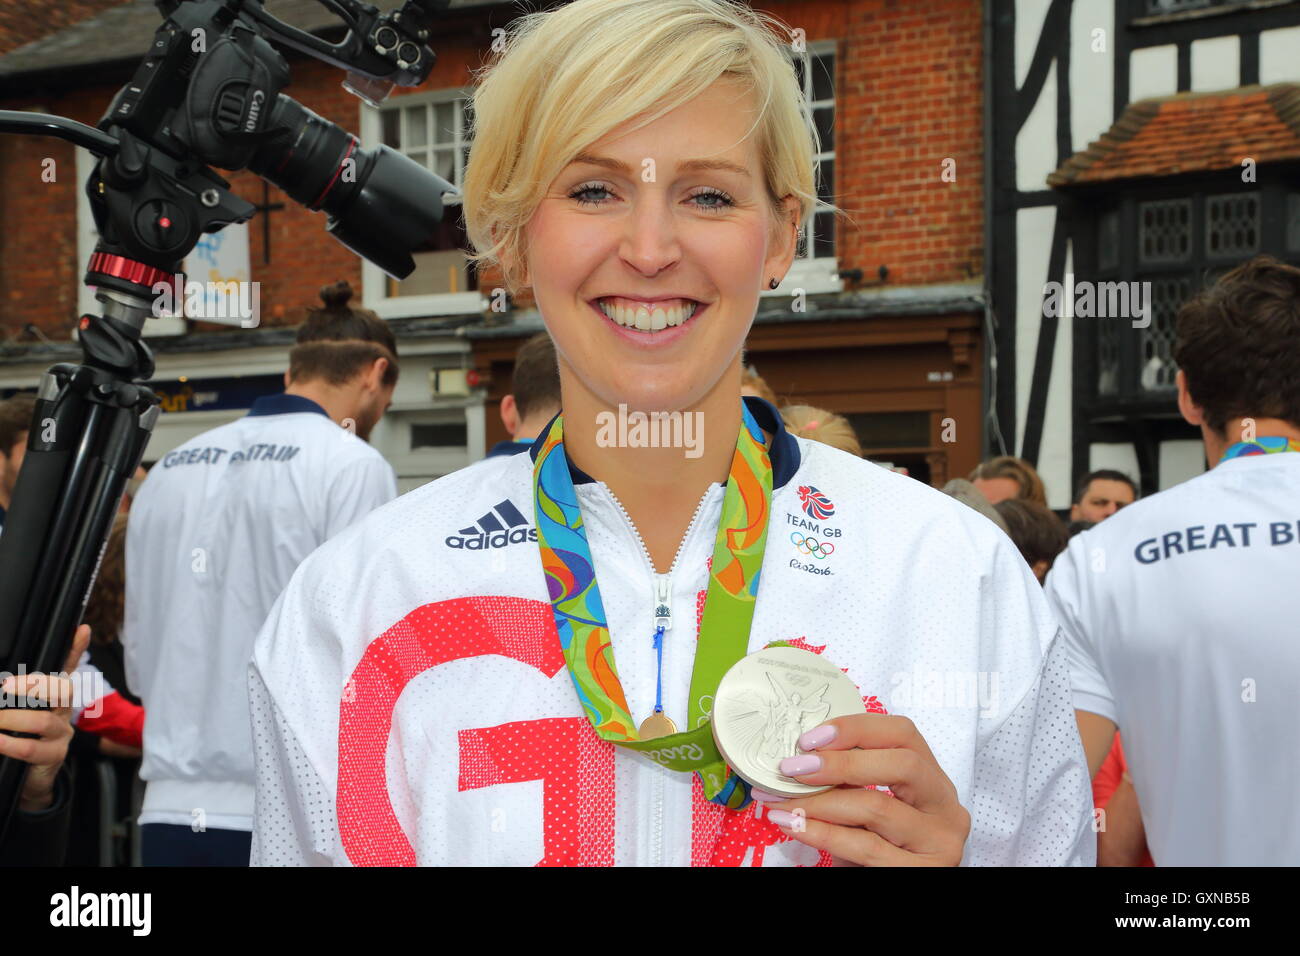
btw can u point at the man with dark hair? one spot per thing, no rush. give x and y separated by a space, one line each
217 529
1036 532
15 420
1177 609
1099 494
345 360
535 395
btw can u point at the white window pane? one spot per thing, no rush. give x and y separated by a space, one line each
444 122
417 126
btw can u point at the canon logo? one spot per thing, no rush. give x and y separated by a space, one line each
254 110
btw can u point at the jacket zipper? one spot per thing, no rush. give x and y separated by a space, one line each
641 541
663 620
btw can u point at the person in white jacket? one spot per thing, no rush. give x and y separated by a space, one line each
217 528
437 685
1177 613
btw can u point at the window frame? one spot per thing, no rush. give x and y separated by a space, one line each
1273 185
374 279
816 275
812 275
1137 13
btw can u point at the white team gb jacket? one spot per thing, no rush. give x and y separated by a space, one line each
215 533
410 702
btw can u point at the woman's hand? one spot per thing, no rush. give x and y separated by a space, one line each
922 824
53 726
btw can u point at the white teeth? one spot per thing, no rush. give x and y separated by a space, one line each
647 318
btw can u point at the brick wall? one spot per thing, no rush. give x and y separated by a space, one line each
908 96
23 21
911 87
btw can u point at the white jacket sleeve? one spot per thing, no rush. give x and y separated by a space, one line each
1070 593
358 489
295 671
1031 796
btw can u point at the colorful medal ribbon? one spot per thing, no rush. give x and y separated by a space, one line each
1263 445
724 629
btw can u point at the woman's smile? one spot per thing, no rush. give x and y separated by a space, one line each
649 324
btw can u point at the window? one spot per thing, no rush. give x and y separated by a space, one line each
1232 225
1166 231
815 268
432 129
1166 246
1178 6
1293 222
1157 13
439 435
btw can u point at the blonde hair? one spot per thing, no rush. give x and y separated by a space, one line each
564 78
751 379
820 425
1019 471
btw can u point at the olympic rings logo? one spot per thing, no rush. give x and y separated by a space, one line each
811 546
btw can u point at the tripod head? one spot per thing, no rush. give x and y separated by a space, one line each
207 94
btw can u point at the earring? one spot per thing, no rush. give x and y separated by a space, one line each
773 283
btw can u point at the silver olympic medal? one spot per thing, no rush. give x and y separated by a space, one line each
766 701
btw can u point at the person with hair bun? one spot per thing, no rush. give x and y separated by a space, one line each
345 360
517 663
216 530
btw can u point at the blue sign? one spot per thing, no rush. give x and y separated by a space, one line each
207 394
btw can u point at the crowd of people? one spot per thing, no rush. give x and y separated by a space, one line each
1010 493
315 671
201 549
257 496
1159 654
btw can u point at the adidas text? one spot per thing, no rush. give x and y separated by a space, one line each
498 539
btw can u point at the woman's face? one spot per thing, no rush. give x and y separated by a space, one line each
630 235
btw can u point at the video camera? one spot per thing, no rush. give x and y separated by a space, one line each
207 93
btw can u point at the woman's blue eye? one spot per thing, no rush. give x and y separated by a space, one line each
723 200
583 190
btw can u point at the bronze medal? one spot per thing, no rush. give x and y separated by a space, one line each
656 725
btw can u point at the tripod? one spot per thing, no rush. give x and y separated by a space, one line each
153 198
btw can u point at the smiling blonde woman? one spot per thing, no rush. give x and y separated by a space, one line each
493 668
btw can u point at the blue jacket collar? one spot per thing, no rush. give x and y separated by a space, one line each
285 405
510 446
784 450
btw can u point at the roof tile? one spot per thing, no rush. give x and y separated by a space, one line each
1191 132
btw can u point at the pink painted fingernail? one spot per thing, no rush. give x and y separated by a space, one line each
782 818
817 737
800 766
762 796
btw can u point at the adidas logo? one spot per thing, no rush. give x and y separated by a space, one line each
499 528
